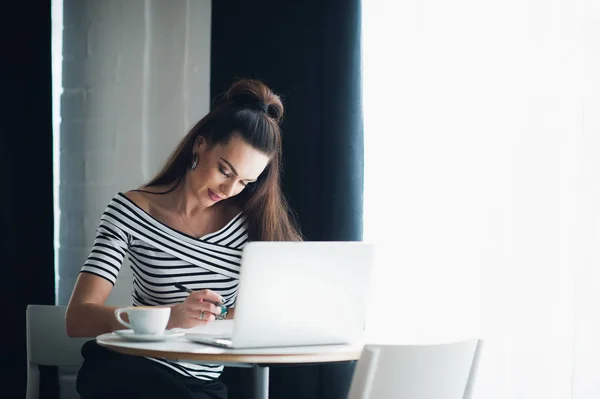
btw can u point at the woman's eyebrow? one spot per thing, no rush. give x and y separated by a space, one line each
235 171
230 166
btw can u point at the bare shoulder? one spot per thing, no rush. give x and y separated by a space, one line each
151 199
140 199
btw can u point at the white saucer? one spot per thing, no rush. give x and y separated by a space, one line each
130 335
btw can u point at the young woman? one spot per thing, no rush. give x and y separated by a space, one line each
218 190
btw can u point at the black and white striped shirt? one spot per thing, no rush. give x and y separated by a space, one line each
161 257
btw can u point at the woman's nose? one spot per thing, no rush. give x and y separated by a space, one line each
228 188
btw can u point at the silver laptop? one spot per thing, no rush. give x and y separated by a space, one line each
299 293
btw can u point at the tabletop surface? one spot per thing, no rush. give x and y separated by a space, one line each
181 349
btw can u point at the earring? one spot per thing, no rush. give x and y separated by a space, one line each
194 161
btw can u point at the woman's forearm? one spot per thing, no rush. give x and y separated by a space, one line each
91 320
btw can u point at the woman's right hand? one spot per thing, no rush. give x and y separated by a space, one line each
198 309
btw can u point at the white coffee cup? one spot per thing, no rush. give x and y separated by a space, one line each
145 319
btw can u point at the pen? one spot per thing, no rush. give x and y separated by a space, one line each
186 289
183 288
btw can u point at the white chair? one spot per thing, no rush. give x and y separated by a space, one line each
442 371
48 344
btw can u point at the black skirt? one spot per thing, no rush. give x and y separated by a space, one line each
107 374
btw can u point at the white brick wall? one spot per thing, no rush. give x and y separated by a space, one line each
135 77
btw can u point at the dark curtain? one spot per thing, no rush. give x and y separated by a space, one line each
26 188
309 52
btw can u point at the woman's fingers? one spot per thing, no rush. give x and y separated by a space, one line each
202 316
200 307
206 295
204 306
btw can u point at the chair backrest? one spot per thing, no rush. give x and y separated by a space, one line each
442 371
48 343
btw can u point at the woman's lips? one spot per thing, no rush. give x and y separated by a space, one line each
214 196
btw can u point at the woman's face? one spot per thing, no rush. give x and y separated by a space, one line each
224 170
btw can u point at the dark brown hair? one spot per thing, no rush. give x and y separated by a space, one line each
249 108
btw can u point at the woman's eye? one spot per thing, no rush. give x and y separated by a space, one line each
224 172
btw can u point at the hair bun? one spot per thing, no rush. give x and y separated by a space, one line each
256 95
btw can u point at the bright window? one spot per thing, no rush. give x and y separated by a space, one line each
482 185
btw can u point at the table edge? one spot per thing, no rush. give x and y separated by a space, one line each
238 358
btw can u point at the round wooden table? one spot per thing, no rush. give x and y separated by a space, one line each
259 359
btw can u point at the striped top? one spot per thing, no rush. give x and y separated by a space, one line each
161 256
